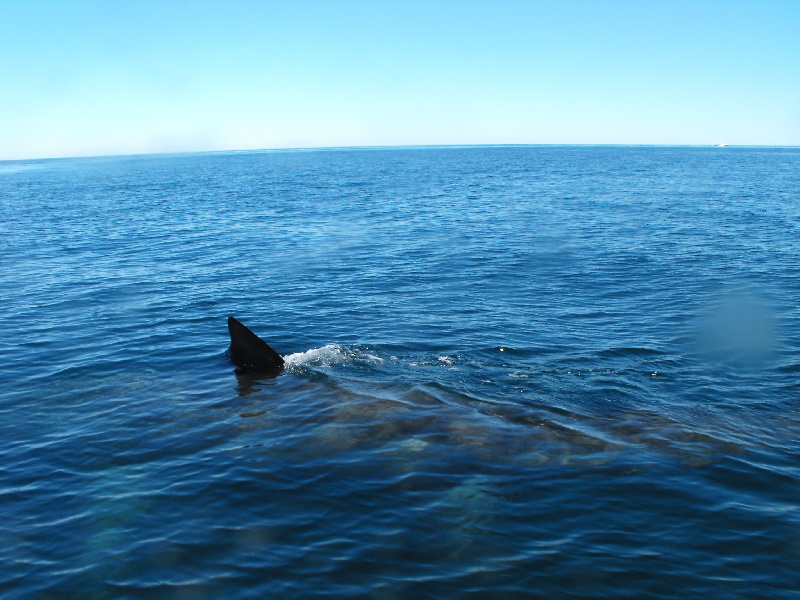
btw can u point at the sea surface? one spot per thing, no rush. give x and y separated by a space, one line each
512 372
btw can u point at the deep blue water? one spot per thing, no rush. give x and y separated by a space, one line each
512 372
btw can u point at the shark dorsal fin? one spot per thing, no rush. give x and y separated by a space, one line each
250 353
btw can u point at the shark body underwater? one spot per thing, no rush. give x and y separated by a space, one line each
250 353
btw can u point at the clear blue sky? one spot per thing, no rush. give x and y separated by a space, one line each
113 77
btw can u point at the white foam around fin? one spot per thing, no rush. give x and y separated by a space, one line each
324 357
328 356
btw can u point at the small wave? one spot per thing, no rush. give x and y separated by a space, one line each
434 361
627 351
328 356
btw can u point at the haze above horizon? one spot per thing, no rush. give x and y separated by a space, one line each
82 78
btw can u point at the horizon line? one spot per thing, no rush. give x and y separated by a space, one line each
387 147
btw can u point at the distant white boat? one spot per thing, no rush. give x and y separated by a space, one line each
720 145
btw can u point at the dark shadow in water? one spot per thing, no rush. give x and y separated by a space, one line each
247 383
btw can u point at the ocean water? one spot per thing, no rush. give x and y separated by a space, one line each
512 372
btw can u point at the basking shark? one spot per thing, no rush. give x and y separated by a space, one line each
250 353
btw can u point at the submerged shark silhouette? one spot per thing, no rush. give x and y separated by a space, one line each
250 353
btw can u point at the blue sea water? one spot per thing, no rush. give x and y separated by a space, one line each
512 372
